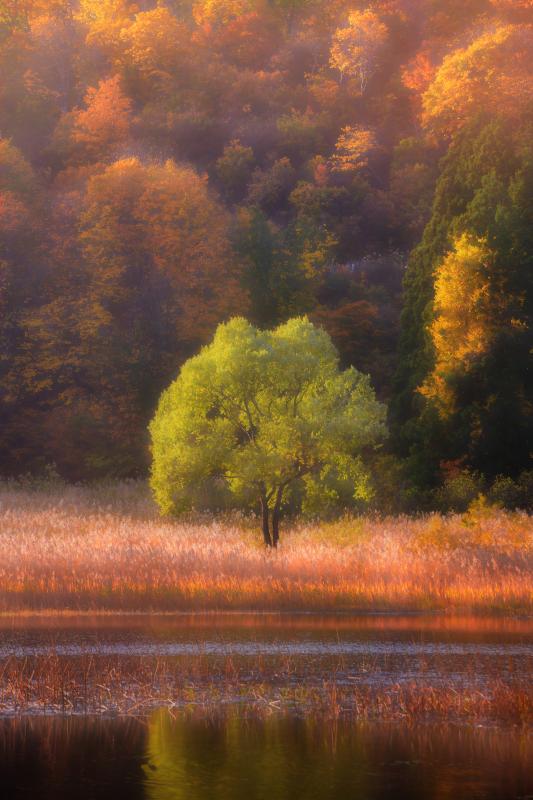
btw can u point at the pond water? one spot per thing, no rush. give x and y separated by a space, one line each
199 753
279 758
440 650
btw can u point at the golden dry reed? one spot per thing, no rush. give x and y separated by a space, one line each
107 549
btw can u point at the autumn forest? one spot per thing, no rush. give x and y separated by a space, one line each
166 166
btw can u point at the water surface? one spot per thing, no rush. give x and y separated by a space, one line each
377 649
278 758
232 753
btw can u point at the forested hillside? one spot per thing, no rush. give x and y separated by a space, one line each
165 166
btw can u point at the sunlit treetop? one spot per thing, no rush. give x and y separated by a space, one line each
357 47
19 12
95 13
106 119
220 12
418 73
353 149
104 20
494 73
162 217
155 42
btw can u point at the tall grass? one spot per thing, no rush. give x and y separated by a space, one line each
107 549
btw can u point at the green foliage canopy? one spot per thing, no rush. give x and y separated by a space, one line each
258 412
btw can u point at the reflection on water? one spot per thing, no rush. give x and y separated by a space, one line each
274 624
239 756
277 758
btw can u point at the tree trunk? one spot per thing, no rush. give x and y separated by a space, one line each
275 518
265 519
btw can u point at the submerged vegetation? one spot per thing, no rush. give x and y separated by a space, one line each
107 549
134 687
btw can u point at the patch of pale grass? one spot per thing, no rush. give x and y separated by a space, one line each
107 549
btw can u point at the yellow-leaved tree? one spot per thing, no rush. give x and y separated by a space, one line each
220 12
493 74
104 21
353 149
155 44
464 317
357 47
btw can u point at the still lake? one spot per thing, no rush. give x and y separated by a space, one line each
195 755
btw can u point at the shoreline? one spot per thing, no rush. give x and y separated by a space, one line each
262 614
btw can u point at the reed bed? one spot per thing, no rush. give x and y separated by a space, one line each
107 549
135 687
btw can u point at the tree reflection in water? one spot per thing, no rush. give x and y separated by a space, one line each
282 757
234 757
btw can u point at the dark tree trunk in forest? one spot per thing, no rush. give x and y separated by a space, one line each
266 523
275 518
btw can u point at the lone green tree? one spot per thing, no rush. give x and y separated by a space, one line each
261 413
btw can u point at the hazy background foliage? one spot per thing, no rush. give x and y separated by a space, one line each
165 166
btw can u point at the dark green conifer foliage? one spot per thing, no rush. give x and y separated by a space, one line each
486 190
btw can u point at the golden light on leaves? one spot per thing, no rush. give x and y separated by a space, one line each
106 118
463 326
220 12
494 73
353 148
356 48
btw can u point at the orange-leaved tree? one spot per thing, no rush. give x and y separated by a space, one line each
105 121
494 74
154 277
155 240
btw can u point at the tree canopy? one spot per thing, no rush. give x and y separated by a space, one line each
257 412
